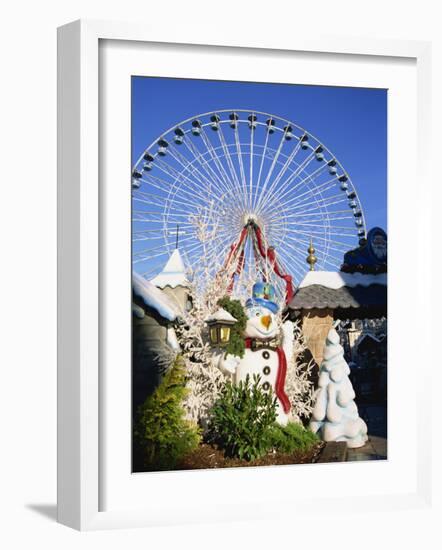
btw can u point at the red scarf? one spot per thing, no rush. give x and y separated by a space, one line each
280 376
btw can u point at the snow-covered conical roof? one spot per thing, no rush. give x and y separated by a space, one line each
155 298
173 274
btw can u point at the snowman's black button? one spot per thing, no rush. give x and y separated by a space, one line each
266 354
266 386
266 370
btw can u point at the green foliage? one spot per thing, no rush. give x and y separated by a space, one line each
236 346
241 418
243 423
290 438
162 433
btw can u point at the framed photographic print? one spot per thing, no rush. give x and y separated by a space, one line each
229 319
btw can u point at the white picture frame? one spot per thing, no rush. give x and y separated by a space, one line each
80 297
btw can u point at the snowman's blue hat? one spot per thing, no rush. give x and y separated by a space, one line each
263 294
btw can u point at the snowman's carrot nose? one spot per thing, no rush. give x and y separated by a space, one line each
266 320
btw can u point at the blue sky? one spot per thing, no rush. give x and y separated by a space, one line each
351 122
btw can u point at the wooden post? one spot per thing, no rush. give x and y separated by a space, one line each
316 324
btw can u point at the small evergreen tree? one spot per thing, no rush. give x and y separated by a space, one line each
161 431
236 345
290 438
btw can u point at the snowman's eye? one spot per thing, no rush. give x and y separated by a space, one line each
257 314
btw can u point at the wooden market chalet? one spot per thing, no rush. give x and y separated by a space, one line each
357 291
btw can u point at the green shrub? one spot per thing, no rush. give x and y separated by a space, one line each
161 432
241 418
236 345
290 438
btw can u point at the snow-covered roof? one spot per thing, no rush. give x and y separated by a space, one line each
335 279
221 315
348 294
155 298
173 274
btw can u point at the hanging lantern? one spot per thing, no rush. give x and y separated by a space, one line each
220 324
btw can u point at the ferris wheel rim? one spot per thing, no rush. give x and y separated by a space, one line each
327 231
255 112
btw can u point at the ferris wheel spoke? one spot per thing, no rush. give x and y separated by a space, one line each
228 158
343 246
261 167
145 251
155 267
149 258
163 185
296 257
299 169
330 262
269 174
316 224
212 176
300 216
317 204
252 135
140 238
295 204
306 241
216 160
240 162
191 169
194 258
161 202
154 213
286 188
290 158
153 218
177 178
149 197
183 179
314 233
206 180
321 207
319 188
321 203
322 252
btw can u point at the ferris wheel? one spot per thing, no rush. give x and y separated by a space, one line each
245 188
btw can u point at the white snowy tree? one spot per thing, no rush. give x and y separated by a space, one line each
298 386
335 415
209 281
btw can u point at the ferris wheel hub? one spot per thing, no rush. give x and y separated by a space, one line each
250 219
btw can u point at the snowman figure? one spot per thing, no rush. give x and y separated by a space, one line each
267 348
